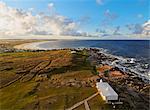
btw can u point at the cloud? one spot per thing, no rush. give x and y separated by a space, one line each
129 26
84 19
140 28
50 6
135 28
18 22
102 31
110 30
109 17
31 9
116 31
15 21
55 24
146 28
100 2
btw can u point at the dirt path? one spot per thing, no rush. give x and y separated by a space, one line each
84 101
86 105
13 81
22 76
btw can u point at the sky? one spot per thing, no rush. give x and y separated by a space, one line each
76 18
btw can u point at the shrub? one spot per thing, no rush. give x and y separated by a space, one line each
95 71
106 73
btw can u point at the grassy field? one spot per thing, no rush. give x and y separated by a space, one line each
53 80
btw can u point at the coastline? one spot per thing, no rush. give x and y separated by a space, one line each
30 46
125 84
33 46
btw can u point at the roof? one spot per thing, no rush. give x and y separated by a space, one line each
73 51
106 89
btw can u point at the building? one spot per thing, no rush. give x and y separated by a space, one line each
73 52
106 91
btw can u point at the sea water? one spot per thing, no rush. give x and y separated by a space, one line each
126 48
138 49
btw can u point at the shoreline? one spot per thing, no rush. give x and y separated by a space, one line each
33 46
30 46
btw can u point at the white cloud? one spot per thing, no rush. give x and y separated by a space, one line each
31 9
51 5
146 28
110 15
108 18
117 31
56 24
14 22
139 28
100 2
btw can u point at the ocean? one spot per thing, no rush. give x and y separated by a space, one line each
139 49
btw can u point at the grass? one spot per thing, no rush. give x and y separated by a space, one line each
13 96
69 95
97 103
64 66
81 107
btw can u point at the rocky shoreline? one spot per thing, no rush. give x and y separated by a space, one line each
126 65
133 89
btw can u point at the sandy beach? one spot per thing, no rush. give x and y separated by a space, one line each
31 46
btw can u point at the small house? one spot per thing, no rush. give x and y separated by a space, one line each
106 91
73 52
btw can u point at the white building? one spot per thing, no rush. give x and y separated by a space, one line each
73 52
106 91
132 60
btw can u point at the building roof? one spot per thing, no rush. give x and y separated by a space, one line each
105 89
73 51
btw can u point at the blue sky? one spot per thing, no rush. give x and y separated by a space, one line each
96 14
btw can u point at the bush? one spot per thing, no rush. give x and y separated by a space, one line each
106 73
95 71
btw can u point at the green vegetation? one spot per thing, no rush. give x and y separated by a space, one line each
69 95
15 96
95 72
65 79
98 104
106 73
